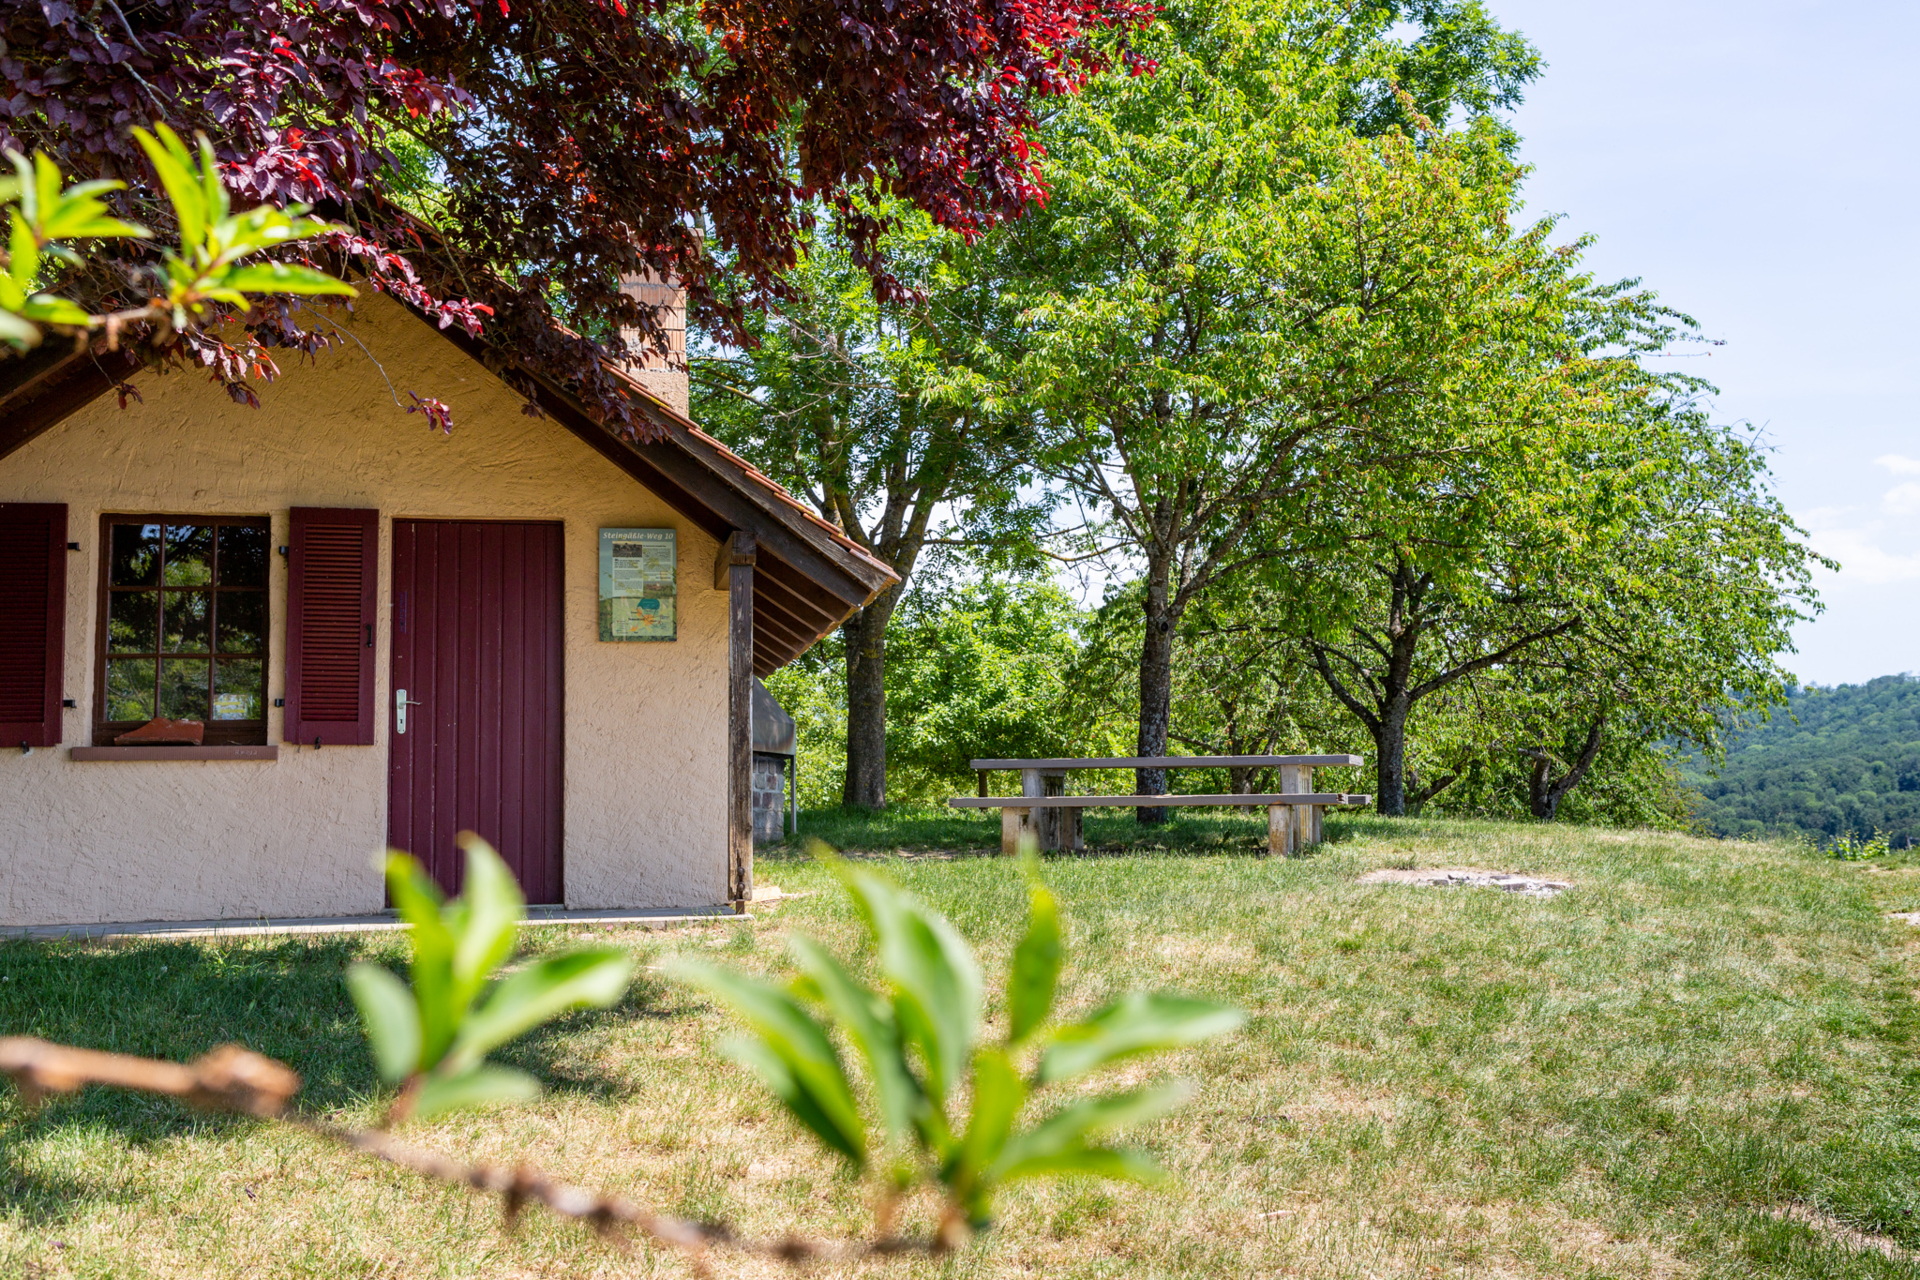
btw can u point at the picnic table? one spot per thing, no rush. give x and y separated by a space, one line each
1051 818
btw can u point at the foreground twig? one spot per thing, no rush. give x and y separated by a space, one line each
235 1079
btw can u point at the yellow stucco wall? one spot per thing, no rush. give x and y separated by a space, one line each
645 731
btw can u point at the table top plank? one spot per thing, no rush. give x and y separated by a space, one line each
1170 762
1154 802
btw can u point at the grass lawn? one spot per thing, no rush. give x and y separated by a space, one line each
1698 1062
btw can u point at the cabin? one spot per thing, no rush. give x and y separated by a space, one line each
243 650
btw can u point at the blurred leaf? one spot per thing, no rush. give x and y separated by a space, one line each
23 251
278 277
487 920
544 989
935 978
389 1017
1123 1163
1142 1022
418 900
175 169
17 331
1036 961
998 1095
865 1017
476 1087
793 1054
43 308
1064 1141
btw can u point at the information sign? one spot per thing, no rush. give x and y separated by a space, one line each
637 584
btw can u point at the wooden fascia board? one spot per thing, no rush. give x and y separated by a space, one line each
872 577
48 386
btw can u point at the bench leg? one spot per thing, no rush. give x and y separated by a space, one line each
1015 825
1278 829
1050 826
1319 821
1070 833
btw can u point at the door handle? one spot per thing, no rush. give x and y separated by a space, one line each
400 704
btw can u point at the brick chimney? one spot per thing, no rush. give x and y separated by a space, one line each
664 376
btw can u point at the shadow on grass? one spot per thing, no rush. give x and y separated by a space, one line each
948 833
32 1195
284 998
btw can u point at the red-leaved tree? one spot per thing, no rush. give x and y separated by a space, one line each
552 145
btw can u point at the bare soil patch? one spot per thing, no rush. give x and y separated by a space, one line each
1469 878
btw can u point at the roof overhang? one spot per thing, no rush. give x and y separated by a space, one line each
808 577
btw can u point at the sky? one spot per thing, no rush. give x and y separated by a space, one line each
1756 164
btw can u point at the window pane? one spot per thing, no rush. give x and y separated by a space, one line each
243 556
242 621
134 560
129 689
183 688
236 690
185 622
189 555
133 621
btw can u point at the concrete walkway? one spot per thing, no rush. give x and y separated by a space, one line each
171 930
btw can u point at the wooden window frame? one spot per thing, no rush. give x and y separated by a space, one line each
217 733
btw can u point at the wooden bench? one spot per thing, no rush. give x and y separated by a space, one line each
1051 818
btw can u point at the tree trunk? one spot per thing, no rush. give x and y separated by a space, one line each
1156 691
1544 792
1390 752
865 634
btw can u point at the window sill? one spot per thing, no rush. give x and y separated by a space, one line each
250 752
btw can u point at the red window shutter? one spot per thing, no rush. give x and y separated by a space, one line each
33 622
332 569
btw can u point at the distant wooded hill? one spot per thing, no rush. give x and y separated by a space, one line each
1840 761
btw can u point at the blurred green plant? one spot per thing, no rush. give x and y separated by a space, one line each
917 1039
204 274
432 1036
1848 847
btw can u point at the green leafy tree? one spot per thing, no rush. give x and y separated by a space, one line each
1243 684
1491 739
1623 570
934 1101
980 670
1228 311
869 408
1703 583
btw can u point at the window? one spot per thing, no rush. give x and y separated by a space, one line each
183 625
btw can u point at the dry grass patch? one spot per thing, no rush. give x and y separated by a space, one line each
1619 1082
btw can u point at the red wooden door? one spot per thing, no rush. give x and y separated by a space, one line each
476 648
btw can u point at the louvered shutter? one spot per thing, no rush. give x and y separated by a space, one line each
33 621
332 569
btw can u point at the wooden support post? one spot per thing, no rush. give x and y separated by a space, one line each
982 774
733 573
1052 828
1014 824
1296 779
1279 824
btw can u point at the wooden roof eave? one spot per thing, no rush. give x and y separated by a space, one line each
810 579
803 566
41 388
